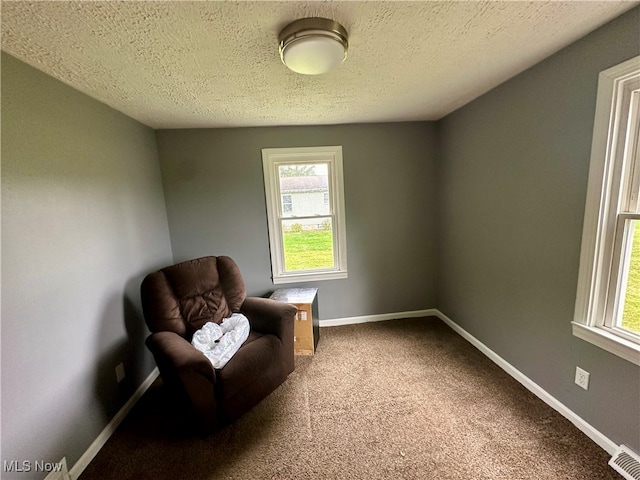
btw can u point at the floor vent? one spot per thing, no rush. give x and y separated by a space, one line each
626 462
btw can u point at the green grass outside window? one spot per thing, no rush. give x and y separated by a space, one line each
631 312
308 250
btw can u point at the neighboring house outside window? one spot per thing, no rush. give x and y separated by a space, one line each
287 204
305 211
607 310
305 195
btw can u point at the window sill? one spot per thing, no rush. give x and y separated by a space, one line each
309 277
608 341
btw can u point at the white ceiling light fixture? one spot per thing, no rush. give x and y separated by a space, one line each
312 46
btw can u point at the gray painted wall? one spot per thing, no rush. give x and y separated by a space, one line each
83 219
215 199
513 169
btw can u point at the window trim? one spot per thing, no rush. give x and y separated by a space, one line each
271 158
598 255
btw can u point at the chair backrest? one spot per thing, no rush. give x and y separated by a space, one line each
183 297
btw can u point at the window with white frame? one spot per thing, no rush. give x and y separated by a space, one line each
305 213
607 310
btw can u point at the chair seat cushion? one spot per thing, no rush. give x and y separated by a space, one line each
254 360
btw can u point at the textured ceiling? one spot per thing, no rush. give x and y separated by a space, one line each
216 64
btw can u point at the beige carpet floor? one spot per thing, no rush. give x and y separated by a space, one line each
403 399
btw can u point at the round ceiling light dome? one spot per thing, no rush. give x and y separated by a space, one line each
312 46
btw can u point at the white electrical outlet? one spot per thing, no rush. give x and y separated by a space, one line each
582 378
120 372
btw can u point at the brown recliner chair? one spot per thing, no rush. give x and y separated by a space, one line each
180 299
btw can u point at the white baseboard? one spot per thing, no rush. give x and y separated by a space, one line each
600 439
59 471
604 442
378 318
102 438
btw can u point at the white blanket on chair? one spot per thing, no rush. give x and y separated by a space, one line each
220 342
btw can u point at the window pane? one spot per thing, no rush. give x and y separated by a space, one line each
286 204
305 186
631 311
308 244
635 192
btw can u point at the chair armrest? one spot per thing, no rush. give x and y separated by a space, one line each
180 364
173 352
270 316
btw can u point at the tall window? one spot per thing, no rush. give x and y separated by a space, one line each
608 300
305 212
